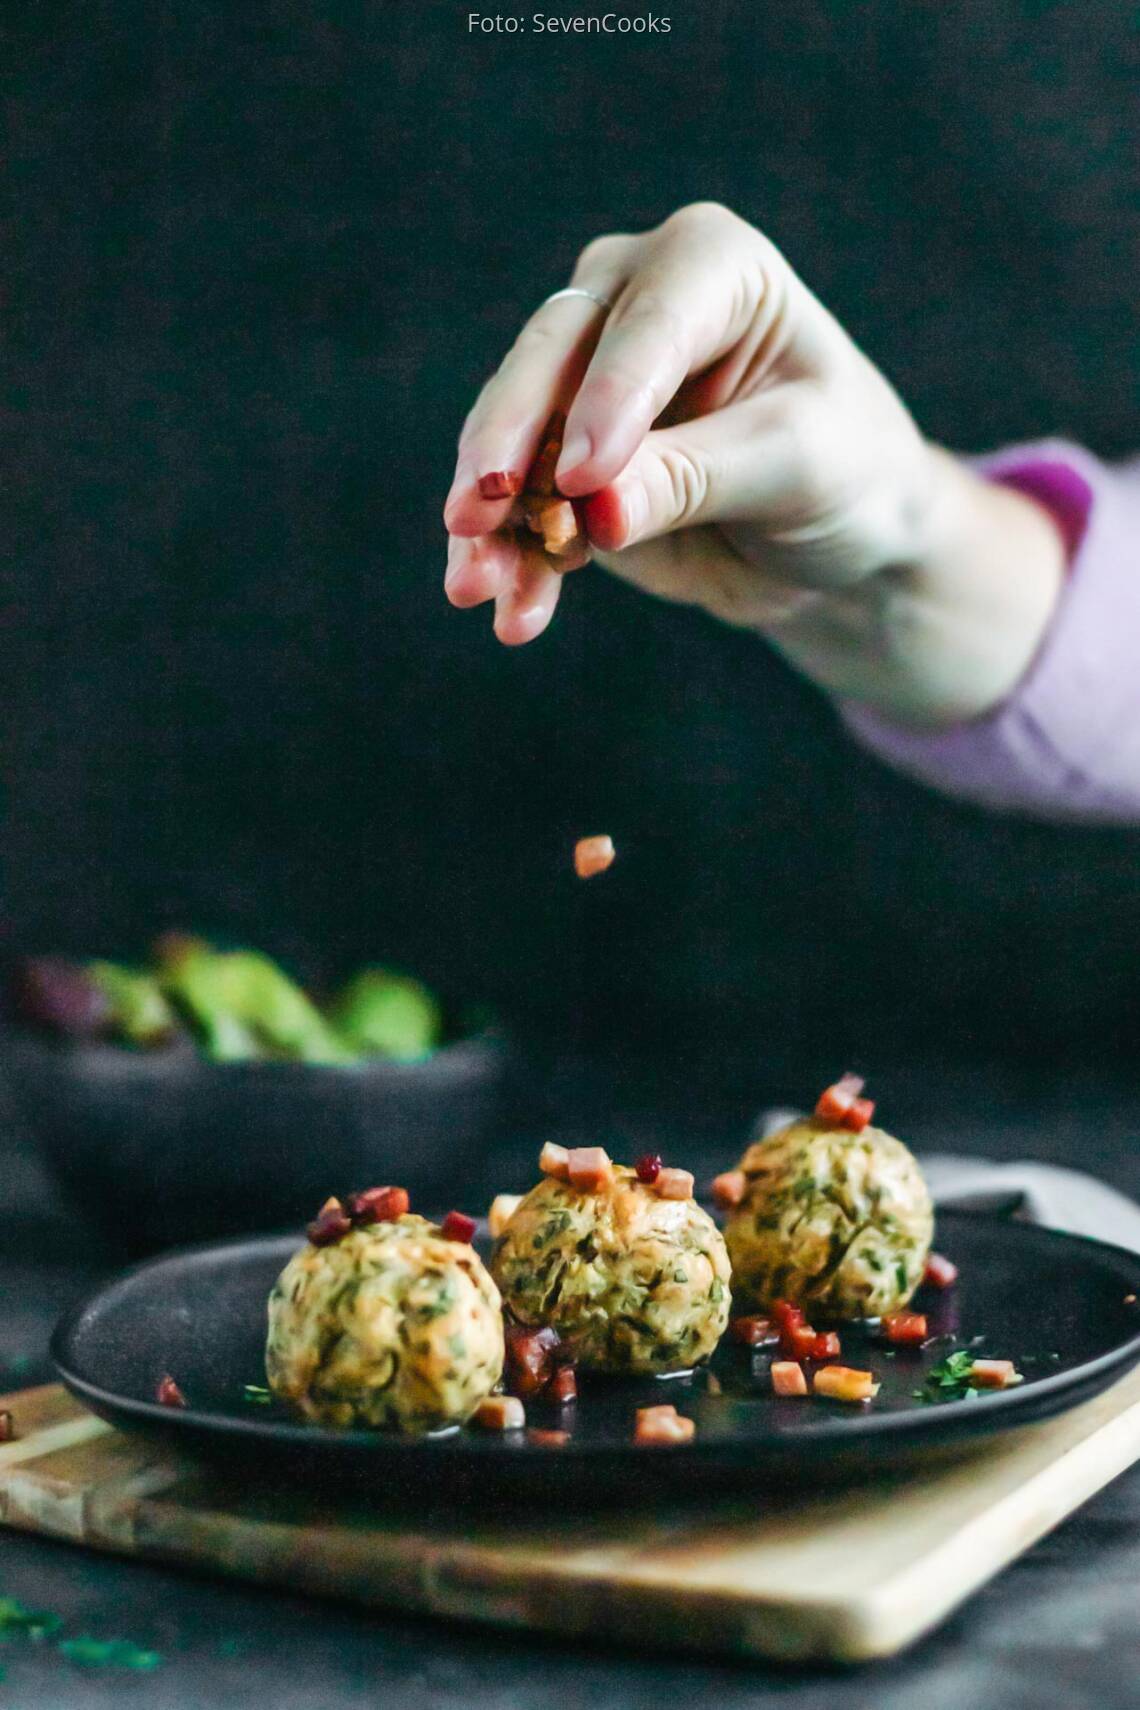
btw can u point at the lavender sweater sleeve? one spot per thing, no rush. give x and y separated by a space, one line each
1066 744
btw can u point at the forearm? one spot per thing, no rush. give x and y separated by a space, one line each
945 631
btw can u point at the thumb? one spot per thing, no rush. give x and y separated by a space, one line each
737 464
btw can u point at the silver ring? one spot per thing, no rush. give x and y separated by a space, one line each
579 291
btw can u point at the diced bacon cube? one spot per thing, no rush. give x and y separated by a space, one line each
729 1189
993 1374
503 1208
500 484
500 1413
844 1383
330 1224
940 1272
593 855
378 1205
787 1315
753 1332
788 1378
168 1394
555 521
674 1184
457 1226
835 1101
907 1329
589 1168
530 1357
540 477
663 1424
563 1386
798 1342
555 1161
825 1346
859 1115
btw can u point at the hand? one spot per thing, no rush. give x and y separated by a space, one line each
733 449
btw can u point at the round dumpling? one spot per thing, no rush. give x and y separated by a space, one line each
392 1326
831 1219
630 1281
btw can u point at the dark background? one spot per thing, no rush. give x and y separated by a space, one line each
263 256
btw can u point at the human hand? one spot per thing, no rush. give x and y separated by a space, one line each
730 447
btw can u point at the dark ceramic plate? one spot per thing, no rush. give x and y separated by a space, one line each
1054 1304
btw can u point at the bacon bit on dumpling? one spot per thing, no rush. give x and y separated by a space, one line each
674 1184
330 1224
378 1205
503 1208
555 1161
590 1169
457 1226
593 855
841 1104
663 1424
729 1189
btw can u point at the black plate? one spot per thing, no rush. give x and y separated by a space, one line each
1052 1303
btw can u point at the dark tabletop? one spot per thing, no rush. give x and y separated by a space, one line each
1058 1625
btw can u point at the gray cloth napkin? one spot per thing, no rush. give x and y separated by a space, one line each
1044 1193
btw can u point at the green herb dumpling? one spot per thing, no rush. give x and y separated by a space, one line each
837 1220
631 1281
390 1326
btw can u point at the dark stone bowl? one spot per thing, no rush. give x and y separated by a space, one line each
163 1147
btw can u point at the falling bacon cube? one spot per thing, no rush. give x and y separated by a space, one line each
593 855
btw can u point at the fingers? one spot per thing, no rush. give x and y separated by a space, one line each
538 376
525 603
700 567
478 569
701 280
742 462
513 573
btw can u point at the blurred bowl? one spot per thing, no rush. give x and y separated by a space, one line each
160 1147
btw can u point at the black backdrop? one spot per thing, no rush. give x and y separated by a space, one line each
262 256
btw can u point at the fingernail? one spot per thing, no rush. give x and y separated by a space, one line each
456 559
574 452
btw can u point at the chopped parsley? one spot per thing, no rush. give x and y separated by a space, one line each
39 1625
18 1622
109 1653
949 1380
256 1394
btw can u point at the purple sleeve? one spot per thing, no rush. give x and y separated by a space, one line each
1066 744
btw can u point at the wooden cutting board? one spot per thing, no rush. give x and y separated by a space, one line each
842 1576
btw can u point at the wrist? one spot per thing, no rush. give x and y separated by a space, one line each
952 626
